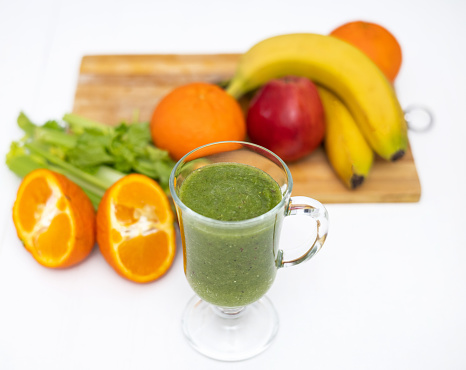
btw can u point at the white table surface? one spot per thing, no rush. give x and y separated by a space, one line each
387 291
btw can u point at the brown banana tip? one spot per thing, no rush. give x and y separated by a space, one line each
356 180
400 153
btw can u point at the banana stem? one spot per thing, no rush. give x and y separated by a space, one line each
235 88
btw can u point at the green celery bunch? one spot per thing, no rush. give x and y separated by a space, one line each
91 154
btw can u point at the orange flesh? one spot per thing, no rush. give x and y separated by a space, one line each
141 247
49 228
137 196
136 234
116 236
142 255
35 196
54 219
54 240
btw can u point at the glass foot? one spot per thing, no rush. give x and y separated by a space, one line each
230 334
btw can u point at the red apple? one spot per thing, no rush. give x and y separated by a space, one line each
286 116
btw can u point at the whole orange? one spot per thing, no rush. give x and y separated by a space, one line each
193 115
376 42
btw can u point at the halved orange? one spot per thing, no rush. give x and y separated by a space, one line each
135 230
54 219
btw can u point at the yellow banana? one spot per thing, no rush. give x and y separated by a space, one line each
338 66
348 152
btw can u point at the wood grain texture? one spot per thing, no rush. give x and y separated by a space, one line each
115 88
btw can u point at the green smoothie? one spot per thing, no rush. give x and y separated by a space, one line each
230 264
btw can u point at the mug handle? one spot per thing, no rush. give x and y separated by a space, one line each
312 208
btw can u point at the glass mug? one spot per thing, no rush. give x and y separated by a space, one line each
230 265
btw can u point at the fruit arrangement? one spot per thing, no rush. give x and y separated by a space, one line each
302 90
347 75
306 89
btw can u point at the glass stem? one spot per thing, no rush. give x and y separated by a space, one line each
229 312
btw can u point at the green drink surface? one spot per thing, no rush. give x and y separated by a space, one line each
230 266
230 192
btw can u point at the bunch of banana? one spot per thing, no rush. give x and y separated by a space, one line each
347 150
349 74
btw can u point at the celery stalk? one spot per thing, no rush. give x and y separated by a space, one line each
91 154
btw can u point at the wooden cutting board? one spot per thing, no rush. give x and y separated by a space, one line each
115 88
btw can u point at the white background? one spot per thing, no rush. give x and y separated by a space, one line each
387 291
